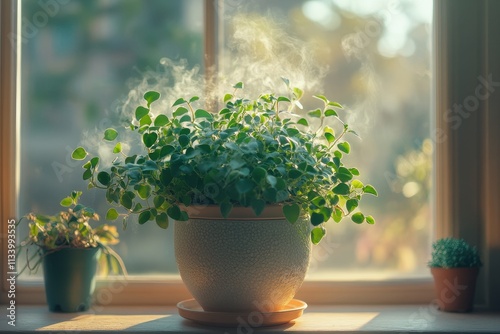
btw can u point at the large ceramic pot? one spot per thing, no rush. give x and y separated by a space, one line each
455 288
69 276
243 262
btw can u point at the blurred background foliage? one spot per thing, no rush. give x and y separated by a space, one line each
78 69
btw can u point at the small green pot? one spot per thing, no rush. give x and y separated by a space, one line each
69 276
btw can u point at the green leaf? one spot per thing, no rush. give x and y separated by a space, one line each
315 113
144 190
110 134
161 120
166 150
151 96
291 212
180 111
272 180
144 217
270 194
294 174
317 218
322 98
283 99
354 133
357 184
126 201
344 174
337 215
358 218
298 93
259 174
193 99
330 112
317 234
369 189
244 186
158 201
227 97
286 81
137 207
94 161
146 120
303 121
341 189
329 137
334 200
79 154
351 204
178 102
174 212
200 113
344 147
104 178
258 206
140 112
238 85
87 174
326 212
66 202
225 209
354 171
318 201
335 104
112 214
162 220
370 220
117 148
183 140
149 139
185 118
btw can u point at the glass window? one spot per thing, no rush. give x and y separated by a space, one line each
80 65
80 59
374 58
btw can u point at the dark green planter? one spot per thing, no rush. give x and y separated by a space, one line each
70 278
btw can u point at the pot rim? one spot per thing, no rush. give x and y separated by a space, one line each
456 268
212 212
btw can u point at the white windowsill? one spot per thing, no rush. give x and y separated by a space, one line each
324 319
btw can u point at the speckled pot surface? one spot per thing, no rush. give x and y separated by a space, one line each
242 263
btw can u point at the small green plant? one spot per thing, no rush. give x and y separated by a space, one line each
454 253
251 153
70 229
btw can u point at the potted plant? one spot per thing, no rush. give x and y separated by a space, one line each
249 187
454 266
69 250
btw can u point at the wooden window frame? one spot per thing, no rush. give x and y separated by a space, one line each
470 153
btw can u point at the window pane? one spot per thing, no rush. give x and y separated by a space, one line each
79 61
375 60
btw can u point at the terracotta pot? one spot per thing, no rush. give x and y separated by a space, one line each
455 288
242 263
69 276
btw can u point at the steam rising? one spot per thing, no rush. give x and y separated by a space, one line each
258 53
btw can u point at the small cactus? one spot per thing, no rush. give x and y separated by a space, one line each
454 253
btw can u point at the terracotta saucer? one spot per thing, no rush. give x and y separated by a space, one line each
190 309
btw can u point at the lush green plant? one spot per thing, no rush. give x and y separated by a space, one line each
252 152
70 229
454 253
